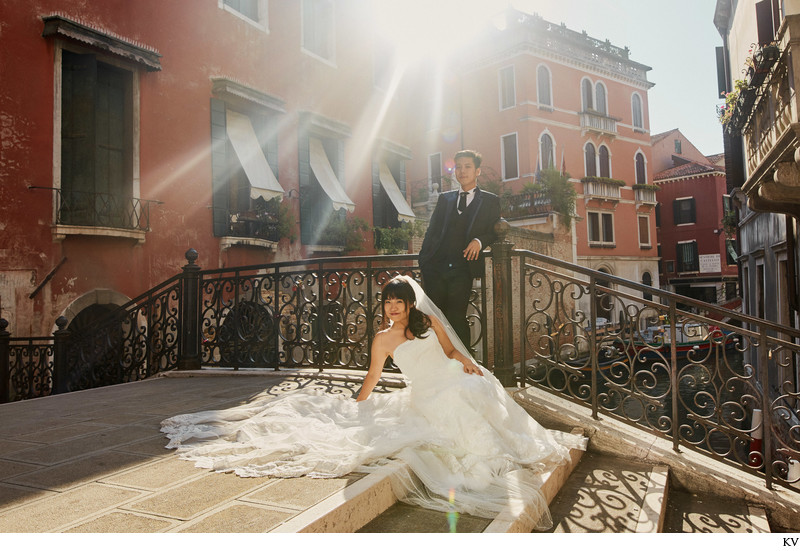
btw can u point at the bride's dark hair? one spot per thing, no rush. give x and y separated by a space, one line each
398 288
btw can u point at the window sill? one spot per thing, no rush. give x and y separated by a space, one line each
601 245
60 232
324 249
548 108
645 246
226 243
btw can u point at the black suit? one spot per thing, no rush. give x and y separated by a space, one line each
446 275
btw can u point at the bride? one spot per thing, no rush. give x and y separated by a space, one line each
470 447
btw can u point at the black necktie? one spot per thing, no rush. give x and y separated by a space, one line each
462 202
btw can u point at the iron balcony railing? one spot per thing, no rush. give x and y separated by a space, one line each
705 378
81 208
524 205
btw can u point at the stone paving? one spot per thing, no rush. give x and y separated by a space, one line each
95 461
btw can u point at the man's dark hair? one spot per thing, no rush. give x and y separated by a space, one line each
474 155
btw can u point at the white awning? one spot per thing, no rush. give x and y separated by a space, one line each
245 143
404 212
327 177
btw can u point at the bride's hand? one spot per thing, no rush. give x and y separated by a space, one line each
471 368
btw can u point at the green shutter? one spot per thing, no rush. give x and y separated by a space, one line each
219 180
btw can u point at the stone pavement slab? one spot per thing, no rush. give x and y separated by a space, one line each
95 461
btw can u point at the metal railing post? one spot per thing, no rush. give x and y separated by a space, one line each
765 355
60 360
673 372
5 372
503 307
189 346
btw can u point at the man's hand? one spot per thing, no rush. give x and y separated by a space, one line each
473 250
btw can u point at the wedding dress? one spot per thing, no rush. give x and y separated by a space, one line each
470 447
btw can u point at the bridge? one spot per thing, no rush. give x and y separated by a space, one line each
694 398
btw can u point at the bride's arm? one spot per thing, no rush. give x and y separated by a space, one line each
469 365
378 356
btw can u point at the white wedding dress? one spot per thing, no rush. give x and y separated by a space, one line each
470 446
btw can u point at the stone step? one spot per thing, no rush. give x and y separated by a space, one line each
370 505
611 494
692 513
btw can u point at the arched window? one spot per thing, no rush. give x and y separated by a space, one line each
586 94
589 157
543 85
636 107
641 172
546 153
600 98
647 279
605 162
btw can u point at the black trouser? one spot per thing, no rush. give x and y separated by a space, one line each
449 289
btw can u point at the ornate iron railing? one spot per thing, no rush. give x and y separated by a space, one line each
728 389
108 210
649 358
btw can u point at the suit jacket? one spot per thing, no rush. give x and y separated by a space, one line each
483 216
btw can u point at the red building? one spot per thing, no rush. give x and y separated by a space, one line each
252 131
697 247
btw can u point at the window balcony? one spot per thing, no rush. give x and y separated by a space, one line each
525 205
598 123
603 189
766 115
107 214
645 194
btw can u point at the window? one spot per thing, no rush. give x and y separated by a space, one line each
323 199
586 94
543 87
647 279
244 161
546 152
601 227
658 215
318 28
600 98
678 147
509 154
389 205
590 159
636 108
644 231
254 11
435 171
683 211
688 260
760 289
508 96
641 170
670 266
97 142
731 253
727 205
605 162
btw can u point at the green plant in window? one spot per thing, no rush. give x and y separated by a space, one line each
730 222
725 111
347 232
395 240
556 186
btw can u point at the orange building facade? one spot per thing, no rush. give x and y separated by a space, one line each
535 95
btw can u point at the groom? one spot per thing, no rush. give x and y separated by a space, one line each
461 226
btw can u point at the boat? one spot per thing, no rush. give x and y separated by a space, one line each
690 338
